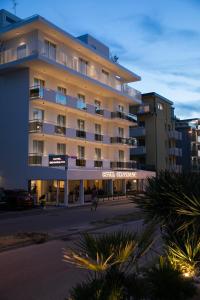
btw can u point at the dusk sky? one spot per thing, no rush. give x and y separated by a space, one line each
158 40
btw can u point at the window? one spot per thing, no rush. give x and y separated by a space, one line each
97 104
121 155
38 147
61 149
39 82
61 120
81 124
160 106
21 51
75 63
97 154
81 152
50 50
121 132
97 128
38 114
83 66
62 90
105 76
81 97
120 108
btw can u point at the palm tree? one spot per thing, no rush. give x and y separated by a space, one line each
113 258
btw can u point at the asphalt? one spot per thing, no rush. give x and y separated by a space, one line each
60 221
38 272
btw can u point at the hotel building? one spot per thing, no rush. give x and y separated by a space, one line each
190 130
158 142
65 118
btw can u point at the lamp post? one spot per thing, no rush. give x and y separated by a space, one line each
66 182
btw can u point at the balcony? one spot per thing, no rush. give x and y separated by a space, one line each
137 132
99 111
98 163
123 165
175 168
174 134
60 130
81 134
36 126
143 109
35 159
67 60
122 140
173 151
124 116
81 105
80 162
98 137
139 150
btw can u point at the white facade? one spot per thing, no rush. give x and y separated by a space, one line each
77 104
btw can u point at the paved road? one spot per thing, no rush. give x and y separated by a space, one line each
38 272
62 220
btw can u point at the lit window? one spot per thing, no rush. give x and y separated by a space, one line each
160 106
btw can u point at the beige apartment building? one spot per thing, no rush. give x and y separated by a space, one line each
65 110
157 140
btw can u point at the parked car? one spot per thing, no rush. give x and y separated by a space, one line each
16 199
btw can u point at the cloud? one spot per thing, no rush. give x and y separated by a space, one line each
151 26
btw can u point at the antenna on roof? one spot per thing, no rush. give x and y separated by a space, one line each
14 6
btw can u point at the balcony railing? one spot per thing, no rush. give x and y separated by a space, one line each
98 137
122 165
98 163
80 162
124 116
173 151
35 159
122 140
137 132
139 150
174 134
60 130
81 134
36 126
59 56
99 111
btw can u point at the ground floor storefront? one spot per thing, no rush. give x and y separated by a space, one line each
79 191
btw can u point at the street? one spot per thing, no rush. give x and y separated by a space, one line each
61 220
38 272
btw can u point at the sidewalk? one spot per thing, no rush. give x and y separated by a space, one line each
38 210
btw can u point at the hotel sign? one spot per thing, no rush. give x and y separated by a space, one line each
57 160
118 174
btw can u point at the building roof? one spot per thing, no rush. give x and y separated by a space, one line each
154 94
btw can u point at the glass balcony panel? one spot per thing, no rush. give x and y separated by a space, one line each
81 105
61 99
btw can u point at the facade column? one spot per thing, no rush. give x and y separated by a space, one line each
57 192
66 193
110 187
124 186
81 192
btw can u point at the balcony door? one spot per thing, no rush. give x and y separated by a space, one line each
81 152
38 114
38 147
21 51
50 50
83 66
97 154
